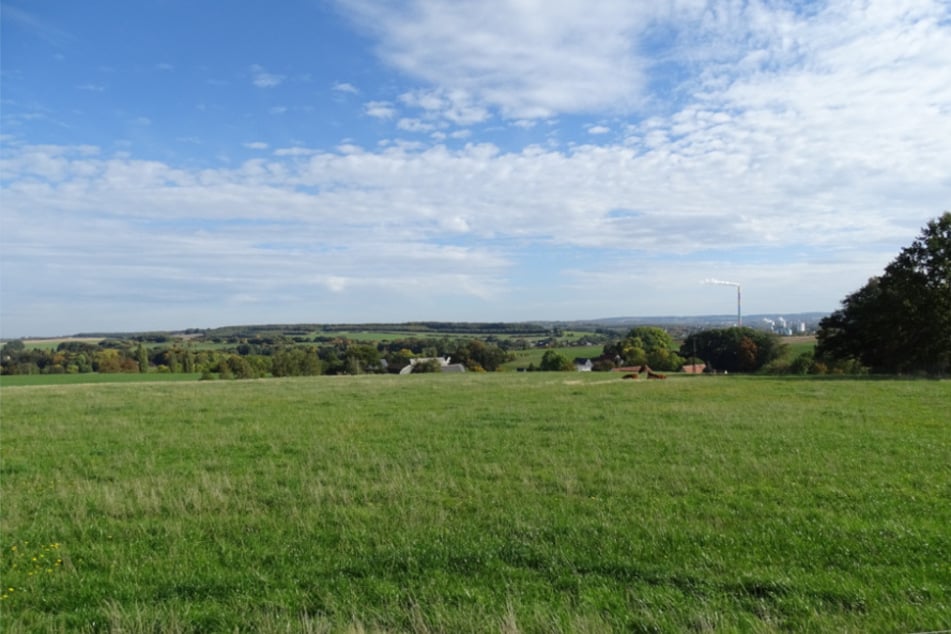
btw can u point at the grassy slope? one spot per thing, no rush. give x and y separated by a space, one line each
536 503
19 380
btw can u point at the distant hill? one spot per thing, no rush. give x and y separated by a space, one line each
702 321
679 323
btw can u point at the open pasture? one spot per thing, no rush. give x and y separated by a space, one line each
468 503
20 380
51 343
533 356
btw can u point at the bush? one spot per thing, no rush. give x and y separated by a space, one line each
554 361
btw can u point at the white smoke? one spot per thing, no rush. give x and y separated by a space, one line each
720 282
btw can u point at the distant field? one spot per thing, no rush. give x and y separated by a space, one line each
92 377
799 344
363 335
523 358
480 502
53 342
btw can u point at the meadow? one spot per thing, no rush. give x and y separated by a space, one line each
533 356
9 380
505 502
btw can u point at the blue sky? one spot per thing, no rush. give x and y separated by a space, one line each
170 164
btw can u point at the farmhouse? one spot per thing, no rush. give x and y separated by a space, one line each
583 365
444 364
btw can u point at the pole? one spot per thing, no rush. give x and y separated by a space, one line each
739 314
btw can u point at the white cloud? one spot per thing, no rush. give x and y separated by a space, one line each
456 106
797 152
414 125
256 145
527 59
345 87
380 109
263 79
293 151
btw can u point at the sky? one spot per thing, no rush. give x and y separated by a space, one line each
171 164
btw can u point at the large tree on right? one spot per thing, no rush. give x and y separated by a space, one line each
899 322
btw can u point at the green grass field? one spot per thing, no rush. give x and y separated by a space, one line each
797 345
477 503
53 343
93 377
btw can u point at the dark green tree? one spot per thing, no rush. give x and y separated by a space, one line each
142 358
12 347
734 349
361 358
238 367
646 344
900 321
477 355
554 361
295 361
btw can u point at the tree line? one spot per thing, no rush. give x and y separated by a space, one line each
279 357
720 349
734 350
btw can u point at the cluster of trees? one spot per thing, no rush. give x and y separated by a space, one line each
733 349
247 359
108 356
644 345
724 349
900 321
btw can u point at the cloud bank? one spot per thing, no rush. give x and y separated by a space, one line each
796 150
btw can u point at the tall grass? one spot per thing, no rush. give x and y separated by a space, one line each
517 503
